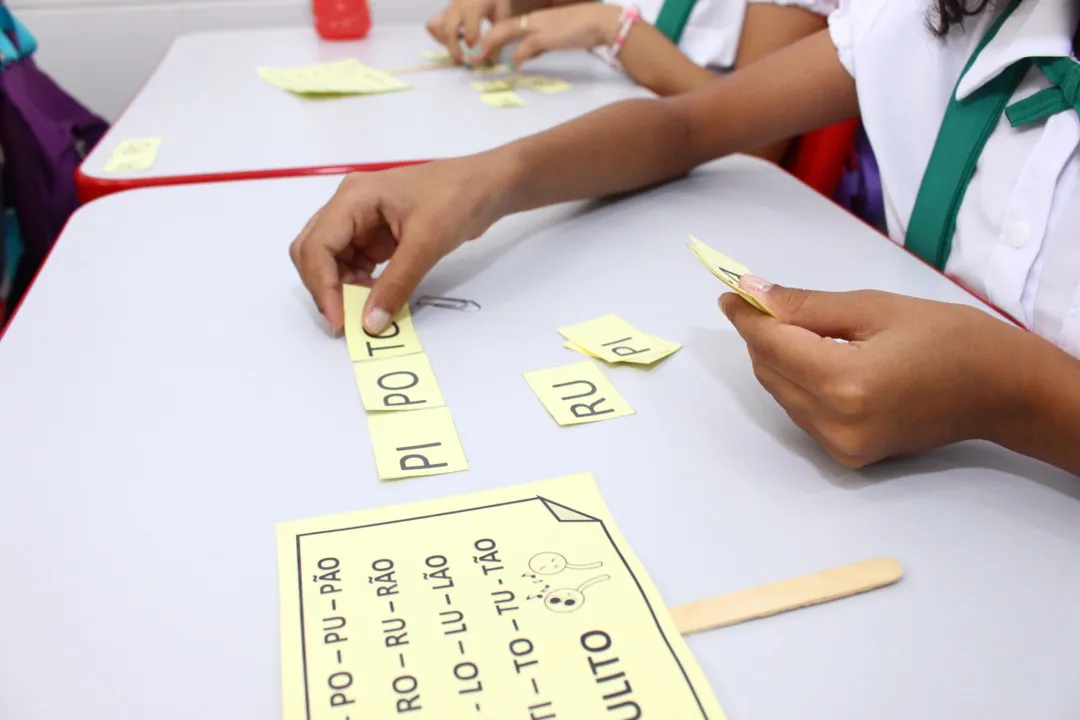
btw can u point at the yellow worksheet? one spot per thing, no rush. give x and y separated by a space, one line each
727 270
398 383
398 339
137 154
522 602
416 444
578 393
502 99
342 77
612 339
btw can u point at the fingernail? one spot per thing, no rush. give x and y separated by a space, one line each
754 284
377 320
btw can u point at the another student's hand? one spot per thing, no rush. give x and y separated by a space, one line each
914 374
581 26
411 216
461 20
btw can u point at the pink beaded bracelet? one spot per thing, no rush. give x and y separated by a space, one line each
631 14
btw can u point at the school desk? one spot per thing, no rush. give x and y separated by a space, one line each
219 121
166 403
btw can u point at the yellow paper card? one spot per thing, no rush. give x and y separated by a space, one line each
398 383
494 86
343 77
539 83
503 99
440 54
490 68
521 602
727 270
398 339
413 444
577 348
612 339
133 155
578 393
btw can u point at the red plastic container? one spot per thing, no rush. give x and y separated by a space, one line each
341 19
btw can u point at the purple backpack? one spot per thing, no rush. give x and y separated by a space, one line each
44 134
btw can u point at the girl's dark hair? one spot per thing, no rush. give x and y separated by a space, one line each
948 14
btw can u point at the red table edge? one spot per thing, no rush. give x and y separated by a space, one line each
91 188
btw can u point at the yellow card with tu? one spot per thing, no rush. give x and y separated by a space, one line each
515 603
727 270
398 339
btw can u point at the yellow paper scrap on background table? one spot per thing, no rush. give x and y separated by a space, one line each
135 154
342 77
398 384
440 54
727 270
502 99
398 339
524 601
494 86
613 340
415 444
578 393
540 83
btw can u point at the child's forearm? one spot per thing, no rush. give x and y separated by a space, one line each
654 62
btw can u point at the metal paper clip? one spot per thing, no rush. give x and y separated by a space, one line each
448 303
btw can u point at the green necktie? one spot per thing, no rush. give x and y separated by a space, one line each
674 14
1064 76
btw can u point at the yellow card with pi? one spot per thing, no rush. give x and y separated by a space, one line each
612 339
398 383
139 154
521 602
414 444
578 393
727 270
398 339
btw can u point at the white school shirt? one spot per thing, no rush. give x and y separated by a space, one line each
1017 241
711 36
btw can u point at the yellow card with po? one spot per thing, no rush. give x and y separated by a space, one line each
578 393
521 602
612 339
135 154
398 339
398 383
727 270
342 77
414 444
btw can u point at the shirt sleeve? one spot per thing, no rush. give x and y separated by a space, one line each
840 30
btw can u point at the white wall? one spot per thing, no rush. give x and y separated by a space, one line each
102 51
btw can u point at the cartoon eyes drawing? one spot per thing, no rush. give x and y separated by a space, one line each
552 563
568 600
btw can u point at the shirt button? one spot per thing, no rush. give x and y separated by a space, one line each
1018 234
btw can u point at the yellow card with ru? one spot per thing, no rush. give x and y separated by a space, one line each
612 339
398 383
502 99
136 154
578 393
520 602
414 444
398 339
342 77
727 270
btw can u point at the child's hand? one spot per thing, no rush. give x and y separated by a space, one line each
582 26
461 21
914 375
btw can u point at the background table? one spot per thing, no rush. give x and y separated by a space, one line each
220 121
166 403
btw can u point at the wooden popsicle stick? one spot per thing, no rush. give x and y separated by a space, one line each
775 598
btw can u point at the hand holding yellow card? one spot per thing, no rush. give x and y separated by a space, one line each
397 340
729 271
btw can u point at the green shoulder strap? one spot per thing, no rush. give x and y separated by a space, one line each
673 17
964 131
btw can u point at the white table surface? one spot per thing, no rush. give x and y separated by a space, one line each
217 116
166 403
